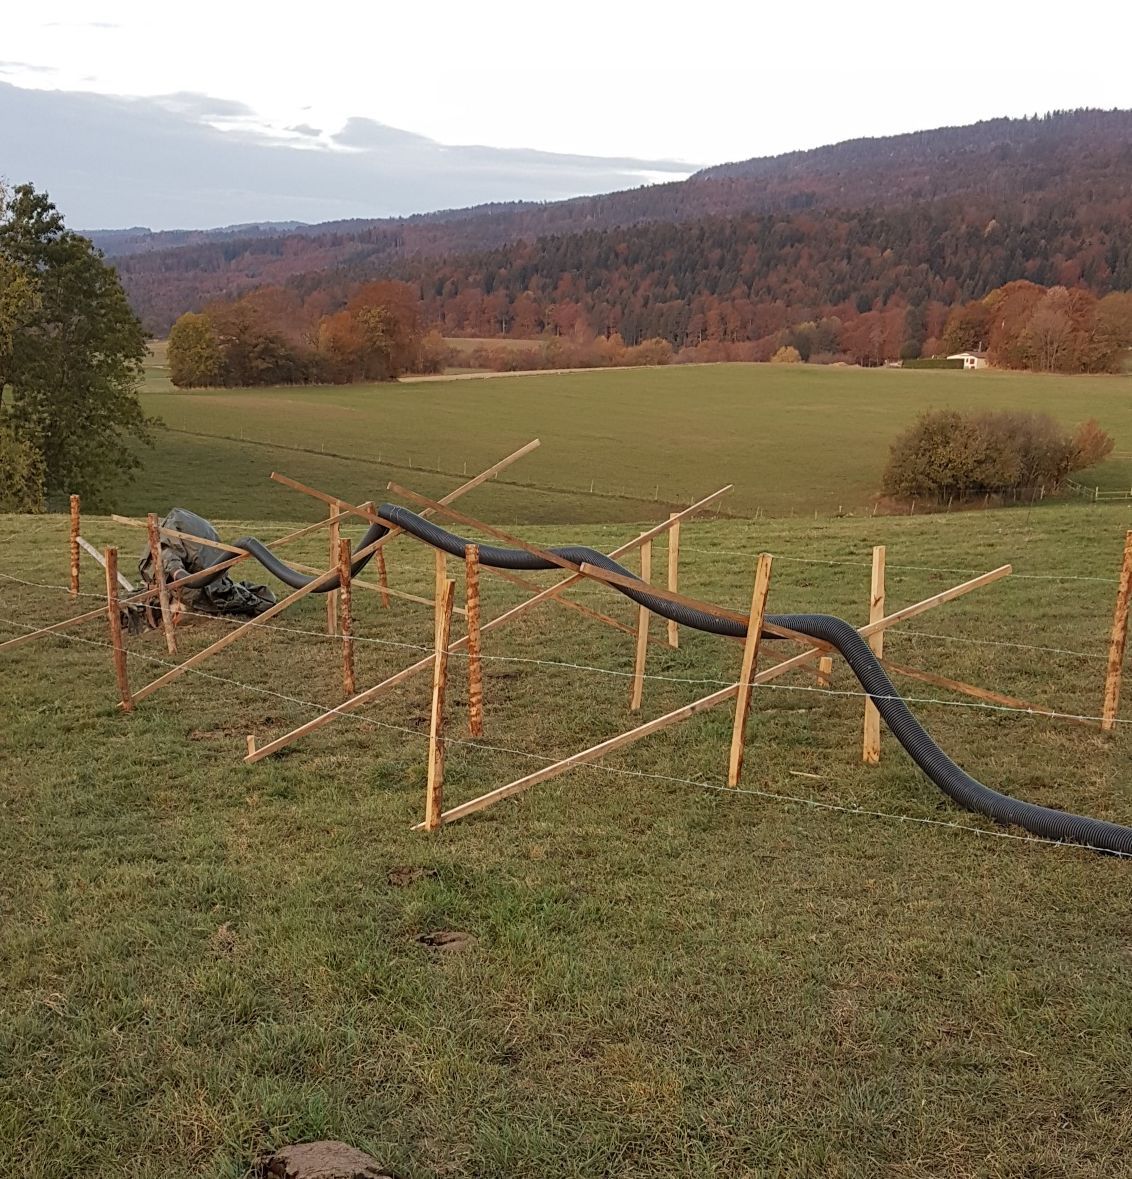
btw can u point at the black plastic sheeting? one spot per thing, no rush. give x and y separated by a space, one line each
954 781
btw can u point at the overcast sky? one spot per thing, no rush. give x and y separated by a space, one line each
699 83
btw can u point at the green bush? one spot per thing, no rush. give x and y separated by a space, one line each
947 455
21 473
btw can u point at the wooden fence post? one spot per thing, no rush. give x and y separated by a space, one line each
115 619
383 578
441 579
749 667
870 752
825 671
475 665
159 581
1118 641
673 576
74 550
332 595
346 617
638 691
434 796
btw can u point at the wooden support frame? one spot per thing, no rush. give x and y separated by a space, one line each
597 752
163 599
748 669
434 791
361 699
73 546
637 692
346 615
870 742
475 662
1118 641
673 578
114 618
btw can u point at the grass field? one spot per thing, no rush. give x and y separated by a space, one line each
203 959
792 440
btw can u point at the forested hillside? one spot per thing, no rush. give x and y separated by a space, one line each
926 220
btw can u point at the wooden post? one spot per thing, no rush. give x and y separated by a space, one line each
346 619
383 578
638 690
115 619
434 797
332 596
475 665
74 546
167 623
1118 641
870 753
441 578
673 577
825 670
749 668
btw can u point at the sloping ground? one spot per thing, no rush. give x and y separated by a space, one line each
205 960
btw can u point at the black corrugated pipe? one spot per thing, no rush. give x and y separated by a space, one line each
945 773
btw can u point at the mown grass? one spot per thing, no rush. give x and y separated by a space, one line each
794 440
202 959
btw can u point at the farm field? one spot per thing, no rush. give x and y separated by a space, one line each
811 977
793 440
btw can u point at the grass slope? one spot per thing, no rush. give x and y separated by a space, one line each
203 959
792 439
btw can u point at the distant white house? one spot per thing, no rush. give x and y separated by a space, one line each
970 359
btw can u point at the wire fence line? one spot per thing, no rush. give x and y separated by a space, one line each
849 809
567 666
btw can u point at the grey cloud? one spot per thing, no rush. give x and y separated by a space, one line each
113 161
305 129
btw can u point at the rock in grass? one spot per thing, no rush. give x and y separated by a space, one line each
321 1160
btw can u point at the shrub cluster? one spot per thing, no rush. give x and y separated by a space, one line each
947 454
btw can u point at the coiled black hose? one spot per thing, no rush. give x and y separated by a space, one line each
955 782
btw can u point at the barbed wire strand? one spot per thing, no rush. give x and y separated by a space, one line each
852 810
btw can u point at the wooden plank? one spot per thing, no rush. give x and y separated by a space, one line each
123 581
159 582
212 544
637 692
346 617
1118 641
73 548
434 795
825 671
475 663
370 694
870 745
748 669
333 560
939 681
114 617
673 578
596 752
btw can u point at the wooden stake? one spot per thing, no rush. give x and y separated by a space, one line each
475 666
749 668
803 659
74 547
825 670
346 619
638 690
1118 641
673 578
332 596
440 558
167 622
383 578
114 617
870 752
434 797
